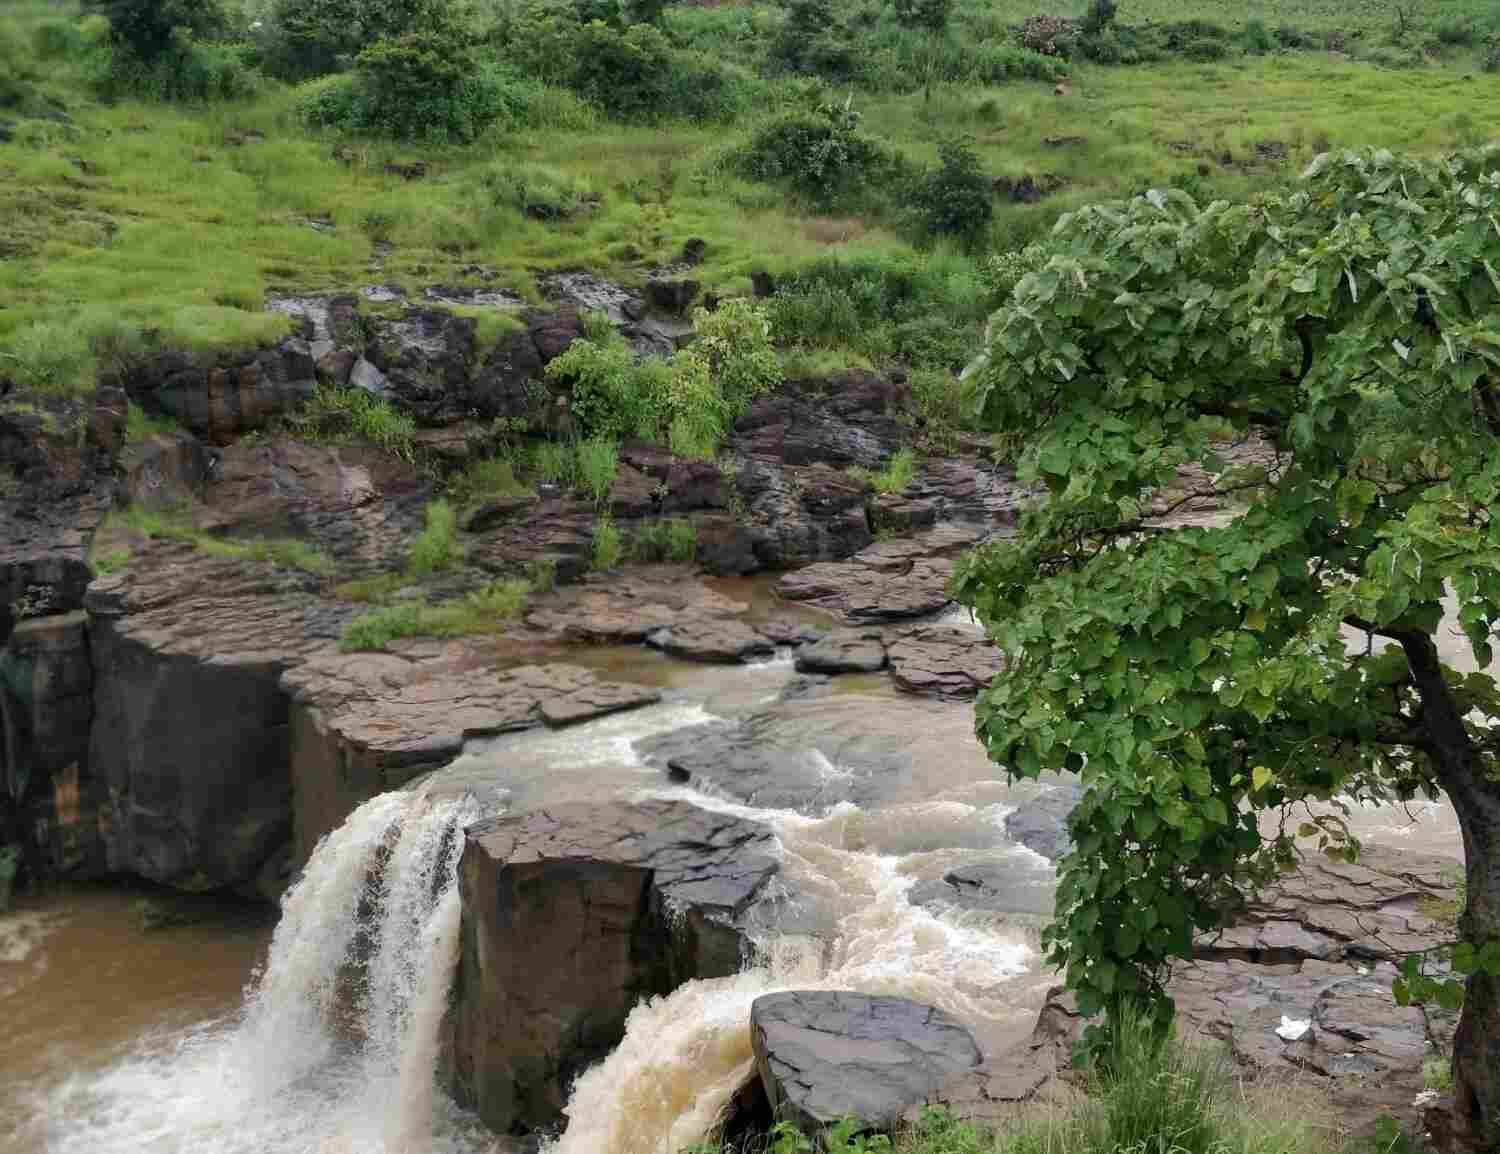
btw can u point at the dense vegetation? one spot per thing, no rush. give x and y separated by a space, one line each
1196 676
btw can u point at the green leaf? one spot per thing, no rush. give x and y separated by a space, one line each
1214 810
1127 940
1260 777
1144 820
1401 992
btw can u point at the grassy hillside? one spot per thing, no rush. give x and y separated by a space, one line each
176 219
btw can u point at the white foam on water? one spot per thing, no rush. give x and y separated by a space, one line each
311 1065
685 1054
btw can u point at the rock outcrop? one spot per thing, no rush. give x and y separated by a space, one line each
943 661
889 581
364 723
571 916
826 1055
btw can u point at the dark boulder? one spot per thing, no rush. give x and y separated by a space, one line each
573 915
827 1055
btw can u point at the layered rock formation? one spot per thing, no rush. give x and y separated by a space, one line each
827 1055
571 916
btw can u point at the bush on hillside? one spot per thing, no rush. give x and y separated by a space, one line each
422 84
822 157
148 29
636 74
956 198
189 70
813 40
312 37
736 340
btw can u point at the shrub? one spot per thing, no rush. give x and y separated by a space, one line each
485 478
139 424
556 464
636 74
938 397
696 420
956 198
426 83
436 547
822 157
335 414
607 549
538 191
148 29
1491 61
812 40
737 339
899 472
598 460
1204 50
188 70
682 540
650 542
311 37
609 394
1455 31
1257 38
1100 15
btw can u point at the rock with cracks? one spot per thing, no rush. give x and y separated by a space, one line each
571 916
827 1055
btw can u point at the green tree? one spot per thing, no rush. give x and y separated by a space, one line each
148 27
931 17
1196 676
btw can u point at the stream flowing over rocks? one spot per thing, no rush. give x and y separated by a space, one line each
678 846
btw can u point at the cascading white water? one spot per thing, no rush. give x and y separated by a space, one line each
685 1055
334 1051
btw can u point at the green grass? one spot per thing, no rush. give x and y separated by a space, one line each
436 547
598 460
484 611
176 525
139 425
609 549
673 539
105 218
334 415
485 479
899 472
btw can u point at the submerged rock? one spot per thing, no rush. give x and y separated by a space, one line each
572 915
827 1055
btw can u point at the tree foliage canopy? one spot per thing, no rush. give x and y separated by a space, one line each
1196 675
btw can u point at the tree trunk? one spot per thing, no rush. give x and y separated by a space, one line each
1476 800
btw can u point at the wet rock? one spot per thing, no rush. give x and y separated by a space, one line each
364 375
672 295
726 547
789 631
335 366
628 608
989 1093
999 887
863 593
426 356
825 1055
1038 824
218 402
943 661
571 916
724 641
845 651
497 510
364 723
798 515
166 471
897 513
849 419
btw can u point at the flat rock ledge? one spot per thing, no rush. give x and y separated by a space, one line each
826 1055
571 916
363 723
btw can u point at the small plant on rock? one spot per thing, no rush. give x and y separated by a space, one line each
598 461
436 547
607 545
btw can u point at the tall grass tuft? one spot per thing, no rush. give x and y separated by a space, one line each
436 547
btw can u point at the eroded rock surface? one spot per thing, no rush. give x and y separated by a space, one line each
943 661
825 1055
572 915
889 581
363 723
844 651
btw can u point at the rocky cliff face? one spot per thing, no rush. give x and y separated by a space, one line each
571 916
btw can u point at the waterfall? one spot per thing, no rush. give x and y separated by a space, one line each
336 1048
685 1055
